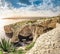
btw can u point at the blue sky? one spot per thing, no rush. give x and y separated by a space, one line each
29 2
26 2
29 7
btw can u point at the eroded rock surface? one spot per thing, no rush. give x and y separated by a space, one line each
34 29
9 31
48 43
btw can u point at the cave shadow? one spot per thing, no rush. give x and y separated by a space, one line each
23 40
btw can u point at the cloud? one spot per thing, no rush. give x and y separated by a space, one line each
22 4
5 5
46 8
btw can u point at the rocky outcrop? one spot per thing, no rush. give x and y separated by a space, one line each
9 31
48 43
26 31
34 29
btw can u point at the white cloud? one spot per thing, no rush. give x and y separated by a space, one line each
22 4
41 10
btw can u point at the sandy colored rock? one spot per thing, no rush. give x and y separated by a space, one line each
36 29
52 23
26 31
8 29
48 43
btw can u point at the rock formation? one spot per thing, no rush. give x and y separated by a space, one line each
9 31
34 29
48 43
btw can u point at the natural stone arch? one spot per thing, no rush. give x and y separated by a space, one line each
34 29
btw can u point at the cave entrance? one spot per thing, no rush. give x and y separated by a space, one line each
25 36
24 40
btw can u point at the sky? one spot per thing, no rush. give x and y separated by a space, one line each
28 8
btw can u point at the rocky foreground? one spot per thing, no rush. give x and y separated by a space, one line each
48 43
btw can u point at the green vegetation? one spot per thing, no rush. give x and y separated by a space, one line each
6 46
28 47
1 52
31 21
21 51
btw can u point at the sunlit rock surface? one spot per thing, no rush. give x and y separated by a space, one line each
27 28
48 43
4 22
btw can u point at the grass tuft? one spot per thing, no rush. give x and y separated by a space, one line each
6 46
28 47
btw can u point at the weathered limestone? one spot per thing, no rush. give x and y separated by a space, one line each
9 31
48 43
35 29
26 31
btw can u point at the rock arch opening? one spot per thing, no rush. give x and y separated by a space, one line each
25 36
24 40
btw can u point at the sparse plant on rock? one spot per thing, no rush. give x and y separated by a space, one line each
6 46
28 47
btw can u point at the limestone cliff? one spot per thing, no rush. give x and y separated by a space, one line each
47 43
30 28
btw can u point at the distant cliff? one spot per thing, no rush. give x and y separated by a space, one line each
32 27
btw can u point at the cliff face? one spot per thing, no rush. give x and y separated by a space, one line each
48 43
29 28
